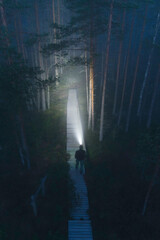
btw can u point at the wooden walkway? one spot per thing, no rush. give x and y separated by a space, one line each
79 227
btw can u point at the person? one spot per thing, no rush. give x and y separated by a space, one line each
80 157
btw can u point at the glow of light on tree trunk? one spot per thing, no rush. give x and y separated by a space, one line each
92 95
86 71
73 116
90 104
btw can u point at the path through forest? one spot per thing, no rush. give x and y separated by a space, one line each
79 226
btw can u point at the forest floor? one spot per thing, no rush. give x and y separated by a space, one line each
116 196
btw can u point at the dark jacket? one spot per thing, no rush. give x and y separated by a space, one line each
80 154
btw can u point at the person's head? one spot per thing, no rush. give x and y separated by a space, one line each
81 147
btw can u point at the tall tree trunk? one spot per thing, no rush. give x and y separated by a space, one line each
43 99
51 57
55 40
102 70
53 12
148 65
48 97
126 70
17 35
21 39
59 7
3 17
18 26
118 65
91 92
156 87
4 23
59 22
92 85
90 98
136 71
40 60
38 96
91 79
48 87
106 72
86 72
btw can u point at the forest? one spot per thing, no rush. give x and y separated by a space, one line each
109 51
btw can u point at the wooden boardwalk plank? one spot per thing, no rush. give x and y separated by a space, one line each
80 226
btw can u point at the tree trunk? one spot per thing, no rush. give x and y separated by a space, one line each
48 97
156 86
106 72
92 89
89 100
40 60
59 22
3 18
118 65
136 71
55 40
91 80
86 71
17 35
4 23
48 87
102 69
148 64
21 39
126 70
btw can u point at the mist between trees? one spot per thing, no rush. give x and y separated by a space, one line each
110 51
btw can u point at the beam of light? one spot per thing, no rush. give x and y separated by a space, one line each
79 138
73 118
78 131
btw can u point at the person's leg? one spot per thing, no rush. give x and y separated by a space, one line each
81 166
77 163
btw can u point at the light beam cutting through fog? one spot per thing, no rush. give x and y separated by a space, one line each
74 129
74 139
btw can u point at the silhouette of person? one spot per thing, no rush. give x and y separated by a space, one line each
80 157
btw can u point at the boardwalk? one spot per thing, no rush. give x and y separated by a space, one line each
79 227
